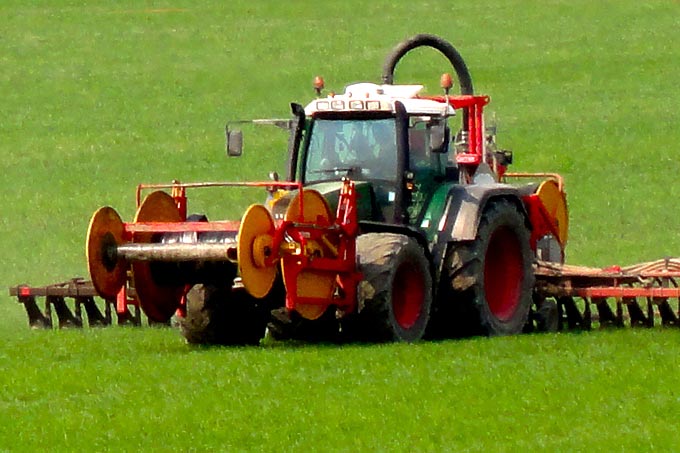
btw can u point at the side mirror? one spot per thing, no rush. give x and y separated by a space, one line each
439 137
234 142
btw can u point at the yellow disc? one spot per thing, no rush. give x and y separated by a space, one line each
262 249
159 299
555 204
158 206
315 207
255 238
107 272
311 283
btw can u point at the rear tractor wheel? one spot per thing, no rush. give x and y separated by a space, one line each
491 278
396 294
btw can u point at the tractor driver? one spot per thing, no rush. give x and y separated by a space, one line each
366 147
323 155
380 160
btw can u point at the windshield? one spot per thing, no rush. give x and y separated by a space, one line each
363 149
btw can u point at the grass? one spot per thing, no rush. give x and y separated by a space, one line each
98 97
150 391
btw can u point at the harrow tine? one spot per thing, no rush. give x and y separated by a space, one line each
587 315
126 318
619 310
137 320
64 314
637 316
36 319
561 316
668 316
94 316
544 316
568 308
605 314
108 315
48 310
78 311
84 296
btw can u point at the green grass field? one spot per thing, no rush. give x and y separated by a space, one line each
98 96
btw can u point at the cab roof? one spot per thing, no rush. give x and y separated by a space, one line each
371 97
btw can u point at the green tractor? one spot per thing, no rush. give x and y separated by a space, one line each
391 224
444 248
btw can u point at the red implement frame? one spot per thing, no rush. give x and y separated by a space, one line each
635 295
339 238
469 160
542 223
84 296
178 191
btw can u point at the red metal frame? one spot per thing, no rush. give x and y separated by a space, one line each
342 235
542 223
646 291
83 294
474 106
554 176
178 193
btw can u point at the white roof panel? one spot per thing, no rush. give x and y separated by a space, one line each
373 97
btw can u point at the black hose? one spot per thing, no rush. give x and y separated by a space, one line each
426 40
445 47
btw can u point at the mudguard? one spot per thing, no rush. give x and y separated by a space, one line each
462 213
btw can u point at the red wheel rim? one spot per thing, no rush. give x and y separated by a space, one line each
503 273
408 294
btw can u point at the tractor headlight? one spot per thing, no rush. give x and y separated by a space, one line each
372 105
356 104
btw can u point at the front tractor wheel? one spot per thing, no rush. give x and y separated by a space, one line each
491 278
219 315
396 294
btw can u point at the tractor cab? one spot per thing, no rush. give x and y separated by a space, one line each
392 144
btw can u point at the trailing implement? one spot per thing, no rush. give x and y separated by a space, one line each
392 223
636 296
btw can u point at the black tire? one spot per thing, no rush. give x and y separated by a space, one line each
289 325
219 315
395 296
547 316
490 280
